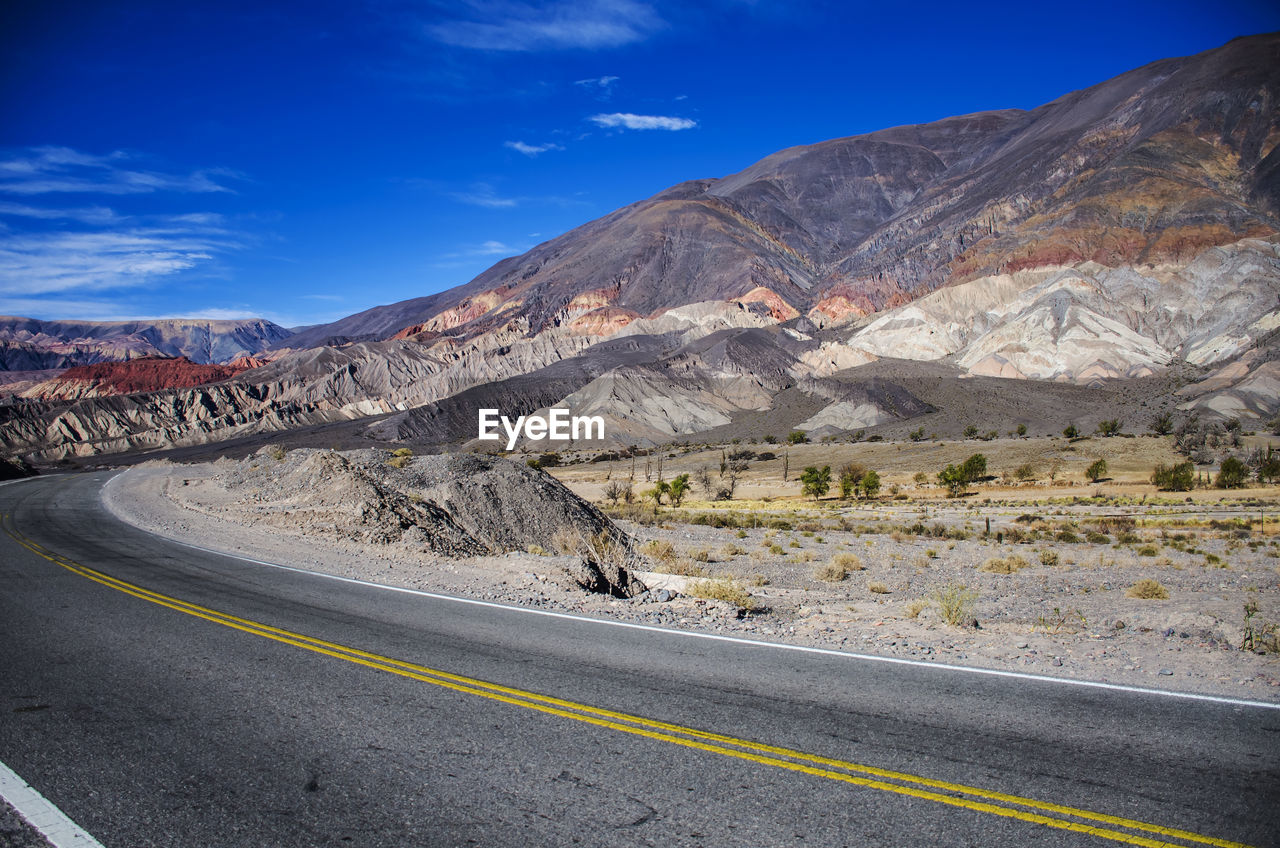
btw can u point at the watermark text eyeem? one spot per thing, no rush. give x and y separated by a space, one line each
559 425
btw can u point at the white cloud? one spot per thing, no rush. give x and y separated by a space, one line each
531 150
642 122
601 87
48 170
520 25
483 194
88 215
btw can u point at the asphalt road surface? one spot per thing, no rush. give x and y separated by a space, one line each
160 695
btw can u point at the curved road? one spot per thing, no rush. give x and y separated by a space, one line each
165 696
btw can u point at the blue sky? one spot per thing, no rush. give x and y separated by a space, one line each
304 161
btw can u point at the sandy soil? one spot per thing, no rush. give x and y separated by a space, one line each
1070 618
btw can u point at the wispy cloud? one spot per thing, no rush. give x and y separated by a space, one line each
483 194
520 25
42 263
601 87
627 120
89 215
531 150
46 249
48 170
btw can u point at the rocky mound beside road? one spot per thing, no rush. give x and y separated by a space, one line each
449 505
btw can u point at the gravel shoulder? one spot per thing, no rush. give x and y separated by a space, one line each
1070 619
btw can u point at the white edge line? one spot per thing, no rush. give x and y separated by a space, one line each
41 814
737 640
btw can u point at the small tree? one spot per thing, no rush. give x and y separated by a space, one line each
1025 472
851 475
870 484
971 432
1269 467
678 488
771 440
797 437
1174 478
917 435
614 492
974 468
1163 424
953 478
1071 431
1110 428
1096 471
816 481
1232 474
1022 429
656 493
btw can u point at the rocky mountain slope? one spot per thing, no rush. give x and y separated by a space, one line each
30 344
1157 164
1113 234
148 374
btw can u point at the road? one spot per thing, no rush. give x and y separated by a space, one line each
165 696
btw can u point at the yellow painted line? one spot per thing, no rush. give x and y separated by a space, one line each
798 761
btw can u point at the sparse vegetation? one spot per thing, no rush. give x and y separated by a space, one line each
877 588
1096 470
955 604
1147 590
723 589
847 561
1005 565
830 573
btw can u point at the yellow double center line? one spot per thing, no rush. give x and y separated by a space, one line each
1059 816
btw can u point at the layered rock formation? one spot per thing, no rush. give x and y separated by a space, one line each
1113 233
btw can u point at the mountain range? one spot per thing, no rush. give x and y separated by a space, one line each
1119 234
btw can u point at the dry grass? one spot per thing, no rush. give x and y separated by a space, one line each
1006 565
847 561
913 608
955 603
877 588
722 589
832 572
1147 590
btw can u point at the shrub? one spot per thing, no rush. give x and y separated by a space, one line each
830 573
878 588
1232 474
1110 428
1025 473
1096 471
797 437
1022 430
402 452
916 435
1071 431
913 608
1163 424
399 461
1148 551
1148 590
1048 557
971 432
722 589
1174 478
1008 565
955 603
847 561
